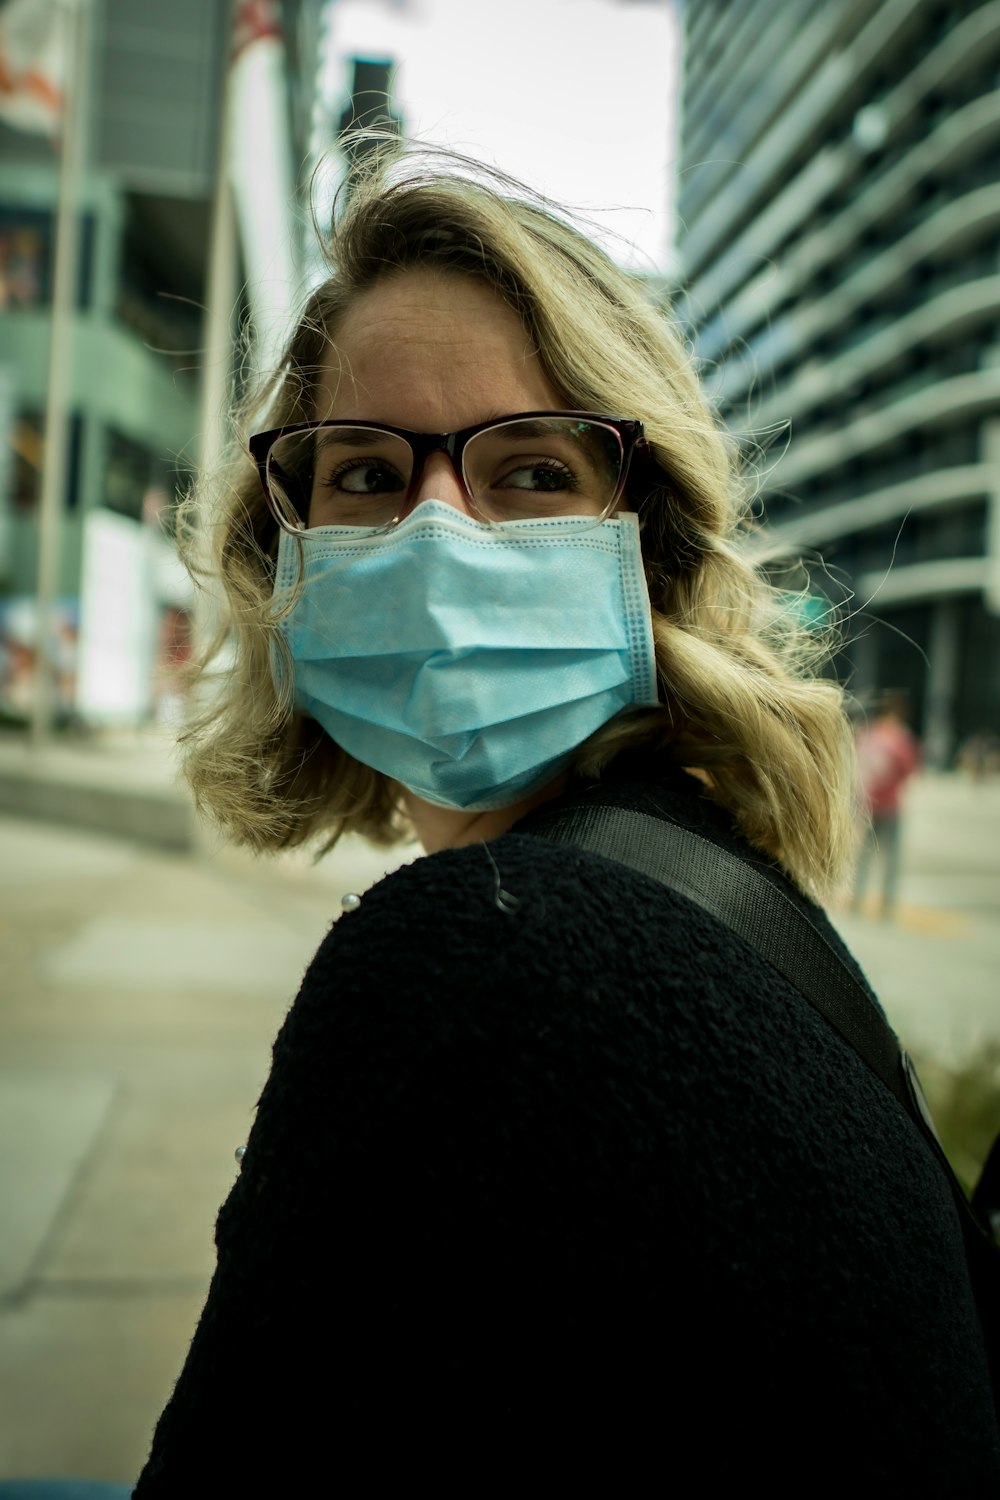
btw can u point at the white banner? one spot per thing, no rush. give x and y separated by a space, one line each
118 622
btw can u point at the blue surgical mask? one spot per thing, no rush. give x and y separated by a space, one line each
467 661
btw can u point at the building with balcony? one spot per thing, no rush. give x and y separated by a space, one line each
144 215
143 212
840 244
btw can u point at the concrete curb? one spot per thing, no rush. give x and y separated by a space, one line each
127 790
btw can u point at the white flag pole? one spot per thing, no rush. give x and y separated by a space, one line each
221 288
64 290
253 167
221 284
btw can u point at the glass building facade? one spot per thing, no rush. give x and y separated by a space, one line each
840 245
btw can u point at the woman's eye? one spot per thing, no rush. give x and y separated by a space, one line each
365 476
549 477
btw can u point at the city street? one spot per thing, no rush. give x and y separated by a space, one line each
141 992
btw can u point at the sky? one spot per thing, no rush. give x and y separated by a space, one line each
577 98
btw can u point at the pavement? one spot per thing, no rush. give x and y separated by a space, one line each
144 975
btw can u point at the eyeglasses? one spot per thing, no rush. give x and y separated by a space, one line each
527 466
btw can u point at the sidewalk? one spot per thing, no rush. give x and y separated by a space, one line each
142 988
936 966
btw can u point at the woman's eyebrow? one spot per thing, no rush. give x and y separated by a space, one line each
341 437
531 427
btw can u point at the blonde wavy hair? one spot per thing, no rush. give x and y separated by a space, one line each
742 701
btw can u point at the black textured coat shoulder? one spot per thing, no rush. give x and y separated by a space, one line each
555 1182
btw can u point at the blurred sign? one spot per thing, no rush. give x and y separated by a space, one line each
118 622
32 64
135 622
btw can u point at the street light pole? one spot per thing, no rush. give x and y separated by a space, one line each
54 464
221 290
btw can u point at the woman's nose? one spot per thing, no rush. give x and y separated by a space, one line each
441 481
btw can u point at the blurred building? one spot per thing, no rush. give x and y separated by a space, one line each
154 93
840 240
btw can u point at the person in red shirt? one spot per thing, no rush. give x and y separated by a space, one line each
888 755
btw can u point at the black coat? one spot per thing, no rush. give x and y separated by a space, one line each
572 1193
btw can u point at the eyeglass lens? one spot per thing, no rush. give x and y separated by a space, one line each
518 470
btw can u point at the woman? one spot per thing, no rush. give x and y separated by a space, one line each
554 1180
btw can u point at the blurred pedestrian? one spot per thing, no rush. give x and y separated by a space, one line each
888 755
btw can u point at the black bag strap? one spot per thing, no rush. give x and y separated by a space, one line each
756 907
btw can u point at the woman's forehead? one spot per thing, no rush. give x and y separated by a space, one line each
436 345
425 302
